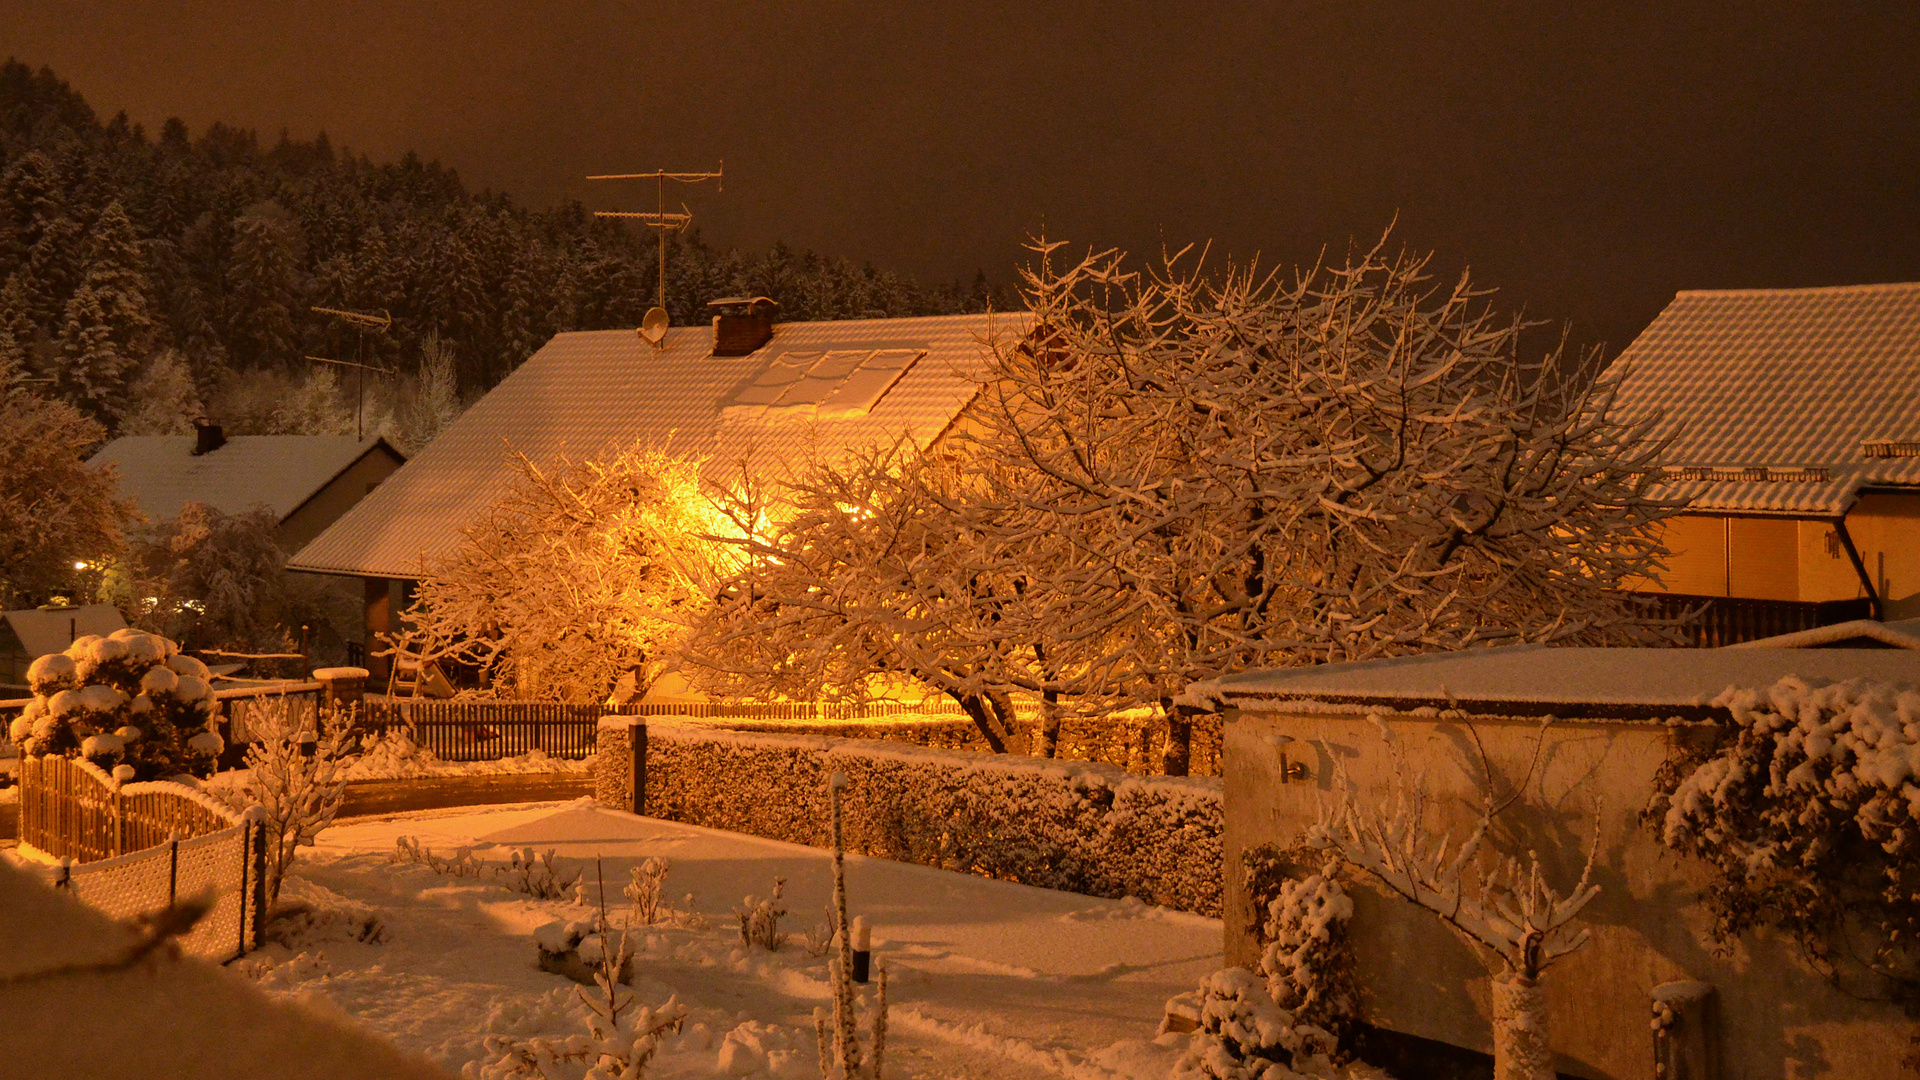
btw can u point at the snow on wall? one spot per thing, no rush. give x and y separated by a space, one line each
1077 826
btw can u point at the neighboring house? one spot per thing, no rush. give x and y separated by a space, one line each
1798 452
306 481
743 393
30 633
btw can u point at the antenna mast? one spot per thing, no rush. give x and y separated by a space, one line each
663 221
361 321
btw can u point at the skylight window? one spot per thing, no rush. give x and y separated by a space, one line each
831 385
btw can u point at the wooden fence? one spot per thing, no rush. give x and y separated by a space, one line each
72 809
128 850
490 730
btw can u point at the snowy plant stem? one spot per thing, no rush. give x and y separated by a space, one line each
843 1019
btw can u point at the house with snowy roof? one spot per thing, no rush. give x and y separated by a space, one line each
744 393
305 481
1797 451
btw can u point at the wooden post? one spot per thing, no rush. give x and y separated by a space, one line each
1683 1031
637 741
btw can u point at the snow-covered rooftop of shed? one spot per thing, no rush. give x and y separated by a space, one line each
817 388
1788 400
248 472
52 629
1562 681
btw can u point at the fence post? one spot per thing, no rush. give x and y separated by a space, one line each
257 816
63 875
173 867
637 740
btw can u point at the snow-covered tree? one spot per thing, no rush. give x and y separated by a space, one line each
1347 463
130 702
433 401
882 566
1496 900
55 510
219 581
298 775
162 399
581 579
107 328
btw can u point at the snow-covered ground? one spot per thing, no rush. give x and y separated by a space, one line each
989 979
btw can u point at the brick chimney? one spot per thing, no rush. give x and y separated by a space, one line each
741 324
207 436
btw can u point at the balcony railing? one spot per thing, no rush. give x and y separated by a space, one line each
1712 621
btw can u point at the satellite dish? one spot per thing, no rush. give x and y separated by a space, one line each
654 326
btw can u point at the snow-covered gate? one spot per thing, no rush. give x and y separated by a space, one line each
130 850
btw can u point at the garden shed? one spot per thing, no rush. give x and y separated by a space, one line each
1477 721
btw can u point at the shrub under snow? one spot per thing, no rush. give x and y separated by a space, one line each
1808 810
129 699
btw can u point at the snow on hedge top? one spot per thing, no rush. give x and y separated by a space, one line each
1900 634
1564 681
1787 400
587 390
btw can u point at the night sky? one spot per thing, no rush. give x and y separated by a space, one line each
1588 159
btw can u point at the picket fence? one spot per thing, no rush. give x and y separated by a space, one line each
129 850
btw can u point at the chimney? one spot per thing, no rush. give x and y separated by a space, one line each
741 324
208 436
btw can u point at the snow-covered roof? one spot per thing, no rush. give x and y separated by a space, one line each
1902 634
277 472
1789 401
51 630
1539 680
817 387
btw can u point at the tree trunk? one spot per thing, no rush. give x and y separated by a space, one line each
1049 723
1520 1050
1177 752
976 710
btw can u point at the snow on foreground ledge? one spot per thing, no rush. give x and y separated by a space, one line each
989 979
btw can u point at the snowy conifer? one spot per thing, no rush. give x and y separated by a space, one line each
130 698
162 399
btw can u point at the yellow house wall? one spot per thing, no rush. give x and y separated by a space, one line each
1886 529
1788 559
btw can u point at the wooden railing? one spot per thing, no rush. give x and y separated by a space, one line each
73 809
1712 621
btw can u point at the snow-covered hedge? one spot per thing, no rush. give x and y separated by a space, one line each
1071 825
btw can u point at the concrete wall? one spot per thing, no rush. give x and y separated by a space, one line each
1778 1018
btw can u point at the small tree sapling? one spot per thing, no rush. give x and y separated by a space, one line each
1507 908
300 789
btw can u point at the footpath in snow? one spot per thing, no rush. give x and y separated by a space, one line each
988 979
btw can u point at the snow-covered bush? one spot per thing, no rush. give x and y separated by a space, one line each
1079 826
1241 1034
1303 1003
760 919
301 789
1308 959
129 699
644 891
462 863
577 948
538 877
1807 809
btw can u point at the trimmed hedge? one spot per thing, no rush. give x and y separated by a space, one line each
1071 825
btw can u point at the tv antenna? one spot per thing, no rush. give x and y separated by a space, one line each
361 321
654 327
